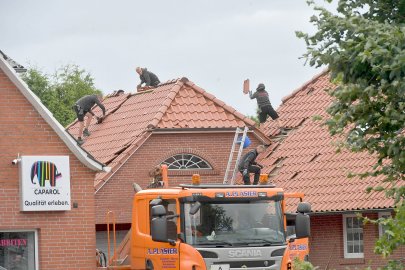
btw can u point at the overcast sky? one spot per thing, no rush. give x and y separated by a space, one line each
215 43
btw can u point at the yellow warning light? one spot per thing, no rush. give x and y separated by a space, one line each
196 179
264 178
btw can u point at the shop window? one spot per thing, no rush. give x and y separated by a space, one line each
18 250
353 237
186 162
382 228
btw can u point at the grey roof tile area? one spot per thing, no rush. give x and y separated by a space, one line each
17 67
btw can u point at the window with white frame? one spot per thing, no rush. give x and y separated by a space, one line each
353 237
18 250
382 228
186 162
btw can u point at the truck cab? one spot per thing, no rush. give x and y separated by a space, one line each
216 227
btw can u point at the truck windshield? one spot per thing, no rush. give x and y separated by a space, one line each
247 223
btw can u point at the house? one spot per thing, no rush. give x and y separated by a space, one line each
305 160
47 211
178 124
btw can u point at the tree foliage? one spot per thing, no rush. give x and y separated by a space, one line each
60 91
363 45
256 116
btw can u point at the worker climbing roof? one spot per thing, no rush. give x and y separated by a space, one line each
175 105
147 77
263 102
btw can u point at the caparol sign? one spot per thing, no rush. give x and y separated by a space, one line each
45 183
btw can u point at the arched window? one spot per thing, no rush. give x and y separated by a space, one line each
186 162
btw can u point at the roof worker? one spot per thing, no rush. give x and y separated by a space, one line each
82 108
248 165
147 77
262 98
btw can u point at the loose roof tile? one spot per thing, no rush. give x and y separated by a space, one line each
323 179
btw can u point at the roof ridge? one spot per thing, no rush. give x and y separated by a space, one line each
302 87
166 103
115 93
121 160
169 82
118 92
221 103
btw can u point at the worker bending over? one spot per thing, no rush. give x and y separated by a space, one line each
147 77
262 98
82 108
248 165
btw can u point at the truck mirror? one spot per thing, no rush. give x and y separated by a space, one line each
302 226
304 207
194 209
158 211
159 229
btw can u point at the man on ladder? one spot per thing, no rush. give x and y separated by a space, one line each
248 165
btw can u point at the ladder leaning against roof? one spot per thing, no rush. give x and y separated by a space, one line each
231 170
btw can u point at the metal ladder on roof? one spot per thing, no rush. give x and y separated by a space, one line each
232 166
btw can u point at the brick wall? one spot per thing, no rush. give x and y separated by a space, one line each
326 244
66 239
117 194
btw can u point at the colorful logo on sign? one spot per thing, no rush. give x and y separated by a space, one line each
45 171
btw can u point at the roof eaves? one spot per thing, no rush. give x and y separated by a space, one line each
122 160
48 117
302 87
350 211
222 104
261 136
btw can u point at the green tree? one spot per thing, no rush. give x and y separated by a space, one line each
363 45
255 117
58 92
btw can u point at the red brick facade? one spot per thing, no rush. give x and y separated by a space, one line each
66 239
327 244
117 193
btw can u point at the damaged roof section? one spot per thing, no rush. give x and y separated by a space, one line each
305 160
132 118
16 66
11 68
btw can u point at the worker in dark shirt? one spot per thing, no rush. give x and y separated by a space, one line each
249 165
262 98
82 108
147 77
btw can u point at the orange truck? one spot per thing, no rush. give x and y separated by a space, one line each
216 227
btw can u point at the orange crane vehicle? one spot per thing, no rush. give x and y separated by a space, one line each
215 227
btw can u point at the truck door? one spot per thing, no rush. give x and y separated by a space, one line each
160 255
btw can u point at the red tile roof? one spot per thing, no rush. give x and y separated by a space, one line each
130 118
306 159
